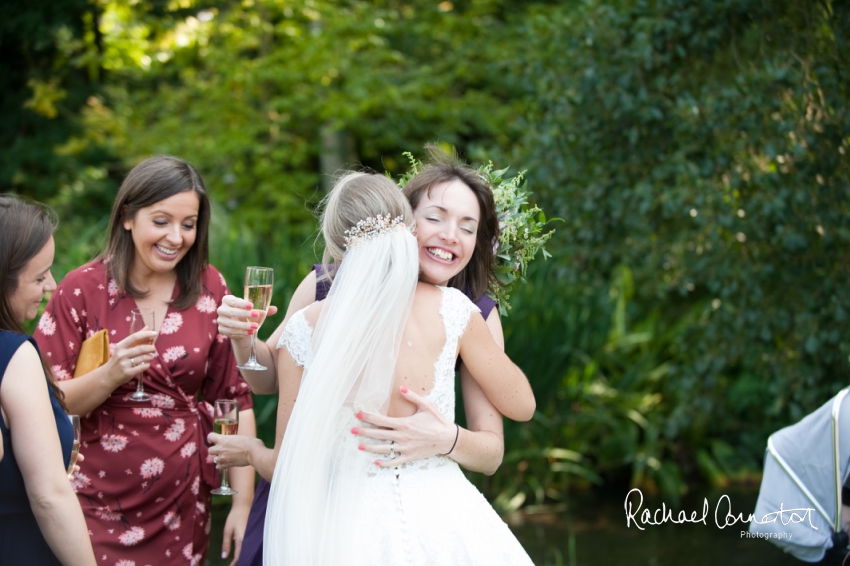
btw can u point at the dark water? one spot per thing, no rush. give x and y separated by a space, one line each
590 530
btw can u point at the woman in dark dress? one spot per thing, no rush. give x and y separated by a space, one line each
41 522
434 194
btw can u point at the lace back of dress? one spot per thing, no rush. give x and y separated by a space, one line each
455 309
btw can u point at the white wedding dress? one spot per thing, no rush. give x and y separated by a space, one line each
423 512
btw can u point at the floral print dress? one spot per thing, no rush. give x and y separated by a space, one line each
144 485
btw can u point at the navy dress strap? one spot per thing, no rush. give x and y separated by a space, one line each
323 284
486 304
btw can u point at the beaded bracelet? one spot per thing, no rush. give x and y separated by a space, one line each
457 433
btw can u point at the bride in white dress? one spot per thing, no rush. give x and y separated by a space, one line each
379 333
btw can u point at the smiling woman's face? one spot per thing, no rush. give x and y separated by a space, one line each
34 281
164 232
447 220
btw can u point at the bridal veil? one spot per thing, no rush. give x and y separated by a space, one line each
320 472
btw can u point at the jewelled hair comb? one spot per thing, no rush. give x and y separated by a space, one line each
371 228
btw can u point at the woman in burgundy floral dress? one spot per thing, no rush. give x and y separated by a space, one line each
145 483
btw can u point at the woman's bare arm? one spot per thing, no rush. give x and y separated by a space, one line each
236 451
234 321
484 451
26 403
482 446
501 380
290 383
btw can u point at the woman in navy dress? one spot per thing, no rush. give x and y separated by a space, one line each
41 522
453 252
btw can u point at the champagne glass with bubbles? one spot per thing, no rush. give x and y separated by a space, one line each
225 422
258 291
139 320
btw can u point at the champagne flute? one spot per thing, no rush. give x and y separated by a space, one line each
139 320
226 422
75 449
258 291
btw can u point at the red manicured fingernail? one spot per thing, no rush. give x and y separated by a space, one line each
404 389
255 313
359 415
361 447
354 431
254 326
377 462
249 306
250 332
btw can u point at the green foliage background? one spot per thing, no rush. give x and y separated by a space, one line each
696 150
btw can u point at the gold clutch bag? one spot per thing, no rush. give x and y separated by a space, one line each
94 352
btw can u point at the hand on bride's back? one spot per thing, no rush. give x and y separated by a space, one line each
425 433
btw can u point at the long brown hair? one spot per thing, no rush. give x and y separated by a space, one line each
443 168
25 228
148 183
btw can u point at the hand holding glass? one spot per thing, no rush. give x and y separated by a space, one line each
139 320
258 291
226 422
75 449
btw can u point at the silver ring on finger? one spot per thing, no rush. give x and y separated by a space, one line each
133 362
215 459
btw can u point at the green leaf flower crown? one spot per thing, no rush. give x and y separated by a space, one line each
521 233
